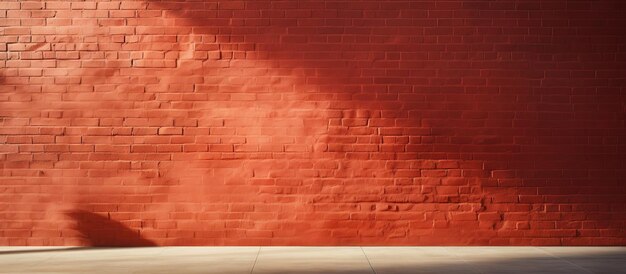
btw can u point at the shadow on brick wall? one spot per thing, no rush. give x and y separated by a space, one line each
447 107
102 231
350 122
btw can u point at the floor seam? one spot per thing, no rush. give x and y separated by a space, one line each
469 264
563 259
368 260
255 260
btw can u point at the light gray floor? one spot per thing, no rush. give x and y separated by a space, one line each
337 260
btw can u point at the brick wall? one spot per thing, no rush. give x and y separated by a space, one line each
312 122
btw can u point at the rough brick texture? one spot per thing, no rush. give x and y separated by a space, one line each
312 122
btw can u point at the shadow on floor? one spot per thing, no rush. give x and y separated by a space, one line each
58 249
604 260
281 260
22 251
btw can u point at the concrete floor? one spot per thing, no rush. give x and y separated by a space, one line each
338 260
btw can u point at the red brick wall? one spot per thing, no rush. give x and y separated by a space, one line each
312 122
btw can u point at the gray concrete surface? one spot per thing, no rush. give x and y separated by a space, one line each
337 260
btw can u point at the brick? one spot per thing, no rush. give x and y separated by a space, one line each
170 131
232 5
350 122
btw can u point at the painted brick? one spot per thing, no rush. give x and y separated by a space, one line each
312 122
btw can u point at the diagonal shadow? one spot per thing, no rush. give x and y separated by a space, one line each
417 137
